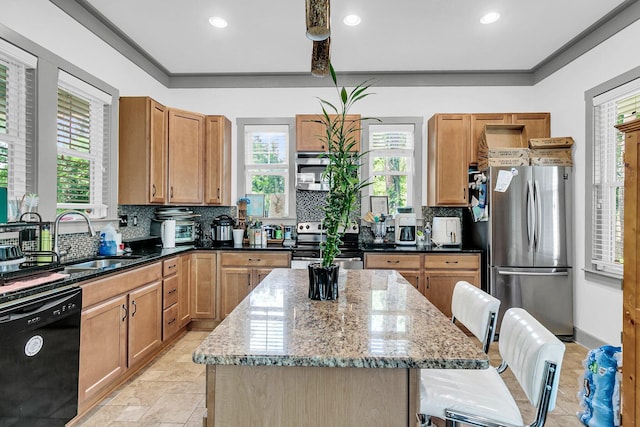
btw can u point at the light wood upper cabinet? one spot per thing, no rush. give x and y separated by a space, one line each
477 127
309 134
142 153
186 157
537 125
448 159
217 189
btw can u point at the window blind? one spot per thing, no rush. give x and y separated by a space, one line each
16 153
608 177
82 163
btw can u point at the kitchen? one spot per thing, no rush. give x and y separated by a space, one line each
561 93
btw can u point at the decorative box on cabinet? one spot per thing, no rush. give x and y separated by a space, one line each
121 325
240 272
309 133
448 160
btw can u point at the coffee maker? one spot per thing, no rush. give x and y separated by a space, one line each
406 229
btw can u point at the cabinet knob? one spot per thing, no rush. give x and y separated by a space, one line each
171 291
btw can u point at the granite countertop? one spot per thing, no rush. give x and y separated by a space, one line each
418 249
378 321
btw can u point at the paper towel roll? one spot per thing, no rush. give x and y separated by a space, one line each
168 232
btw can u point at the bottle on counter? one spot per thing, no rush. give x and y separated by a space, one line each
427 234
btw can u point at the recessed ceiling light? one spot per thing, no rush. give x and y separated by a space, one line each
352 20
218 22
490 18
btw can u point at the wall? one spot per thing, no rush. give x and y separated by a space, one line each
562 94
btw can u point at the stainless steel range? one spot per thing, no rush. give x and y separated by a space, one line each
307 247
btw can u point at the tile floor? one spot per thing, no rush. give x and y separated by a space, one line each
170 391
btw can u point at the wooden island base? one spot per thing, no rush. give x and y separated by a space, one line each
310 396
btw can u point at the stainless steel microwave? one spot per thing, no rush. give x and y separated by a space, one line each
309 169
185 230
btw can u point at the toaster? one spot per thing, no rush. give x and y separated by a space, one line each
446 231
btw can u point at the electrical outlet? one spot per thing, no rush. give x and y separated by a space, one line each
124 220
135 220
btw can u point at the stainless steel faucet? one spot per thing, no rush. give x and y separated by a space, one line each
56 230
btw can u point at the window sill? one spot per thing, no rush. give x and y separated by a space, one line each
80 226
608 279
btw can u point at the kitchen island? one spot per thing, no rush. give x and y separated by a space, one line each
281 359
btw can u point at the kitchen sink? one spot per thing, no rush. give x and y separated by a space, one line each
98 264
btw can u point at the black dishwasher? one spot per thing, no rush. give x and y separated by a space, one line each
39 353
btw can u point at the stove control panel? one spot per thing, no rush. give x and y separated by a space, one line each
316 227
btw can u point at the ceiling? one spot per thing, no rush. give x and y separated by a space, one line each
407 36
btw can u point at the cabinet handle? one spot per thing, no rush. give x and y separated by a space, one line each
428 282
218 192
171 193
171 321
393 261
153 190
172 266
124 308
133 303
451 262
254 259
171 291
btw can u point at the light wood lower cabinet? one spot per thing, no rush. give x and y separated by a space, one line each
241 271
434 275
184 292
120 328
442 272
203 285
409 266
171 277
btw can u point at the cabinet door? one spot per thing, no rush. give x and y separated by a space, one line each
310 135
537 125
413 277
103 346
170 290
477 127
448 159
158 153
203 285
145 321
184 292
235 284
259 275
217 189
186 157
439 287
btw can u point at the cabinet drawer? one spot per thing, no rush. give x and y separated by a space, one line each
170 323
102 289
170 266
170 291
452 262
395 262
254 259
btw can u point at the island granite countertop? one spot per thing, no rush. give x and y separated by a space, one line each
378 321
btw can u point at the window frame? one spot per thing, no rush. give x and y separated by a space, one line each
241 172
602 277
417 122
45 108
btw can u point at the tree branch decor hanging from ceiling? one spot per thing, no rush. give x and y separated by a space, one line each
319 30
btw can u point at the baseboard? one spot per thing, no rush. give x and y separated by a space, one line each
587 340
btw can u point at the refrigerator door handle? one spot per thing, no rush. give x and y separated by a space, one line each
537 202
530 273
531 220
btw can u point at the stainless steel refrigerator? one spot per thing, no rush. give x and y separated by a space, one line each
528 238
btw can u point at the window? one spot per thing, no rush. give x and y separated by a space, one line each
607 213
82 138
16 124
392 162
266 151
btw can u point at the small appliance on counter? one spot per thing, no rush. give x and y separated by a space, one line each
222 230
446 231
406 229
185 228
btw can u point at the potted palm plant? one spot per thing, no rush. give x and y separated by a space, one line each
343 175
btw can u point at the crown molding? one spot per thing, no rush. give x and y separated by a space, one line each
84 13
